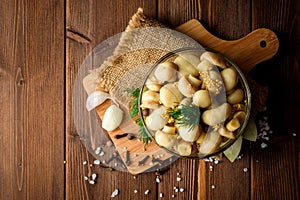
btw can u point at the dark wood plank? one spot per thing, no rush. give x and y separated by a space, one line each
87 25
278 166
228 20
32 100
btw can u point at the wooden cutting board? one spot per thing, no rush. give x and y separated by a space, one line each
259 45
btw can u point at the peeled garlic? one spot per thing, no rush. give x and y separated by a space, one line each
97 98
233 124
216 115
185 87
169 129
170 95
236 96
184 67
240 115
194 60
164 139
230 78
202 99
226 133
184 148
210 143
157 119
189 134
112 118
204 65
150 96
214 59
166 72
194 81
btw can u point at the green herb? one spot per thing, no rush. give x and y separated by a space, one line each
186 115
134 111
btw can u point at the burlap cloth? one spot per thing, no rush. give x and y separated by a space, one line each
143 42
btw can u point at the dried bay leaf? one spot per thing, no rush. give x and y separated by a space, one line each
233 151
250 132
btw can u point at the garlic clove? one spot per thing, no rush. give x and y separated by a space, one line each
185 87
214 59
112 118
210 143
164 139
157 119
96 98
166 72
184 148
189 134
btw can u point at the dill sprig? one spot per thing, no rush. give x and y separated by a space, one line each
134 111
186 115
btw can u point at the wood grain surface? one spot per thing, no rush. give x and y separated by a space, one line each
42 47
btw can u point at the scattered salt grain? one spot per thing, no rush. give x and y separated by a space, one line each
84 162
216 161
181 189
92 182
161 195
101 153
85 178
115 193
157 180
263 145
94 176
211 168
109 143
147 192
294 134
176 190
245 169
135 191
213 187
178 179
97 162
98 150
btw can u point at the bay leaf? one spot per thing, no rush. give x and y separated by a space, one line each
250 132
233 151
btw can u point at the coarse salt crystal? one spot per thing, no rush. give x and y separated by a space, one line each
115 193
263 145
157 180
84 162
92 182
98 150
161 195
101 153
135 191
294 134
85 178
147 191
94 176
181 189
213 187
178 179
176 190
97 162
245 169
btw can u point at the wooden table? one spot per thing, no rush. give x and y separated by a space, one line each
42 47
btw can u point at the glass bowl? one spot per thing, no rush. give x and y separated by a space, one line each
194 102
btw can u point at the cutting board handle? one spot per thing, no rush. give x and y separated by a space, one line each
258 46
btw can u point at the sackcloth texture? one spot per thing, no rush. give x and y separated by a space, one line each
143 42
